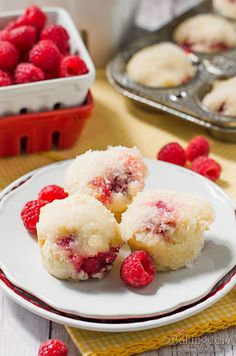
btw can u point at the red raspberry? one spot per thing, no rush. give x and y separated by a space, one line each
33 16
52 74
100 262
22 37
72 65
104 189
10 26
198 146
173 153
28 73
58 35
207 167
45 55
52 192
5 78
9 55
30 214
24 57
4 35
138 269
53 347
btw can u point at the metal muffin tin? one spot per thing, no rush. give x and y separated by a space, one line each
183 101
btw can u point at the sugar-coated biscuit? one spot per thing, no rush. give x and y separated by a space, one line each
168 225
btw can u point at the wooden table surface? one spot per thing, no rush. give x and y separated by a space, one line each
21 332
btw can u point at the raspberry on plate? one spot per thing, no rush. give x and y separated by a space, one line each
52 192
5 78
198 146
22 37
28 73
207 167
33 16
45 55
9 55
58 35
53 347
138 269
172 153
72 65
30 214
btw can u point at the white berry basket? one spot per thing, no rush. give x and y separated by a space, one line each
49 94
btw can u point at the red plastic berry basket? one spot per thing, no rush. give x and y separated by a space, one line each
43 131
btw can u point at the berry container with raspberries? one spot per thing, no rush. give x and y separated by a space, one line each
43 61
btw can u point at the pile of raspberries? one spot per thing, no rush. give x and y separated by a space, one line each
31 51
195 156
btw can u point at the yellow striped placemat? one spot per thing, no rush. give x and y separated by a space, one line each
218 317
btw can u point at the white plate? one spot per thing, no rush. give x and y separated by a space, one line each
39 308
110 299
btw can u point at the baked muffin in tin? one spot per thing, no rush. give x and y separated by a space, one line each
221 98
206 33
161 65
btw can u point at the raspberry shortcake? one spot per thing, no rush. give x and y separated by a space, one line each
206 33
222 97
79 238
225 7
161 65
113 176
168 225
